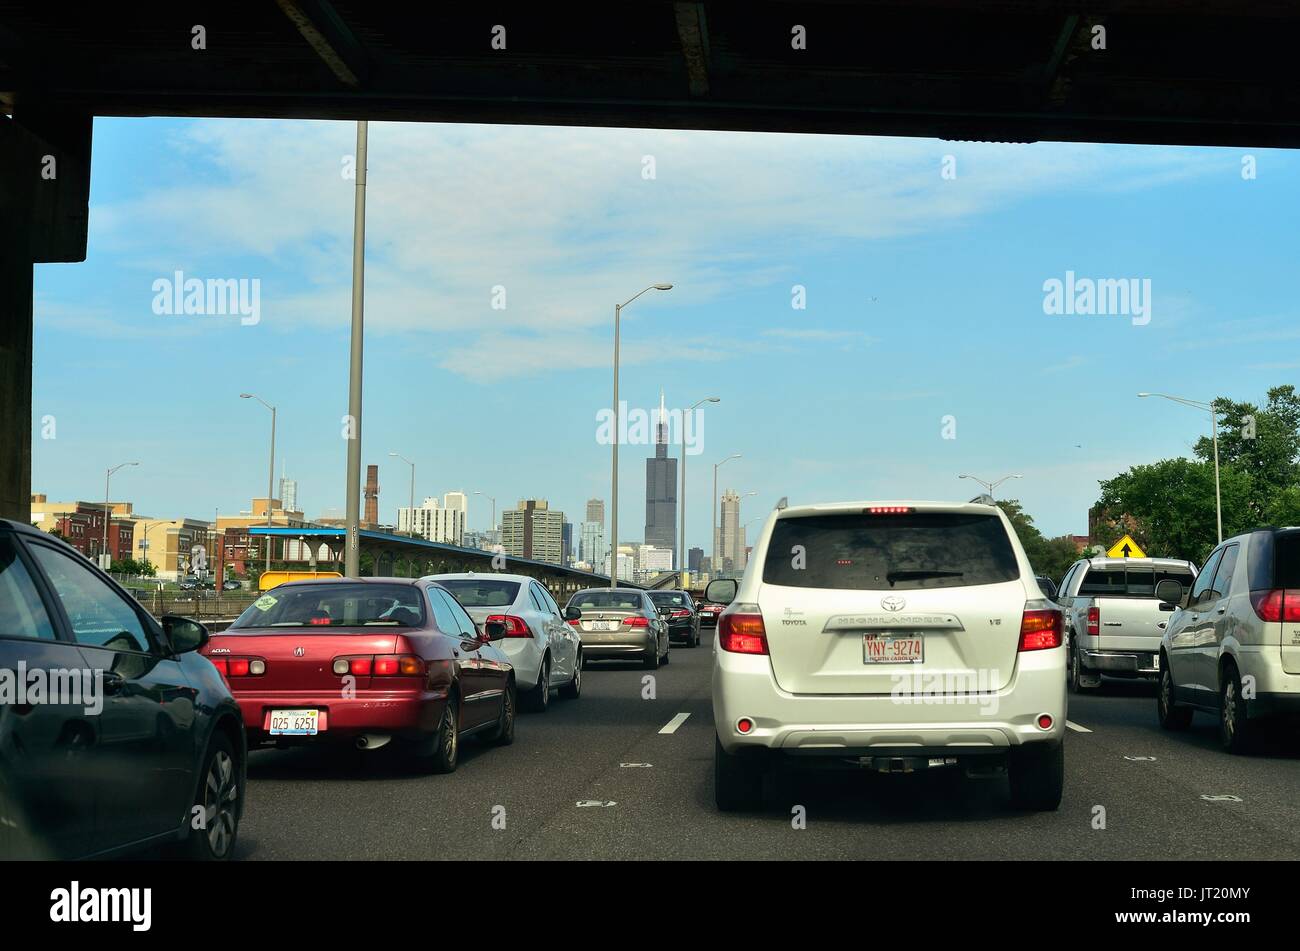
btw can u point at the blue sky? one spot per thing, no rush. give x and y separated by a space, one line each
924 299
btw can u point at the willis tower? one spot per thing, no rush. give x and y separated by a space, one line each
661 489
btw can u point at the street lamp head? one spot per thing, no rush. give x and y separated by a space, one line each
714 399
245 396
663 287
963 476
1144 395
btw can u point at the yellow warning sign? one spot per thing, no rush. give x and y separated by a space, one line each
1126 548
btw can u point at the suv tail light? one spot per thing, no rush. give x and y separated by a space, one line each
1278 604
1094 621
515 626
1040 629
636 620
741 630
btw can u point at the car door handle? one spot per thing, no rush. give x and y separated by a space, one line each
113 682
1221 611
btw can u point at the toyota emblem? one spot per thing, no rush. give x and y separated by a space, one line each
893 603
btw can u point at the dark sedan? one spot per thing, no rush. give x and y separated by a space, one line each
678 611
115 733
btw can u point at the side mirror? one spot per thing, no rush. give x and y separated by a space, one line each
1170 592
184 634
722 591
572 612
494 630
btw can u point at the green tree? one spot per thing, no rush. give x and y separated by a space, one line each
1048 557
1271 459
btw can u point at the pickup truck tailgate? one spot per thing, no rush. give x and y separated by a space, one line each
1127 624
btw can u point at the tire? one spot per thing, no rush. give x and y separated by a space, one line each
538 699
573 689
446 753
651 661
1037 776
1171 714
504 734
668 650
1074 674
217 795
737 782
1236 732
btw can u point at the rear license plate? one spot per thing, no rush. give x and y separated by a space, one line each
1155 661
893 648
294 722
604 626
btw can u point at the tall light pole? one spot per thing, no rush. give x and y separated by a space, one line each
107 563
352 547
493 526
713 557
618 418
681 495
270 479
1214 435
412 509
990 486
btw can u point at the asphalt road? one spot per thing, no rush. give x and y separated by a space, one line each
598 778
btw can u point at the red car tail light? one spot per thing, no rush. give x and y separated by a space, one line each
636 621
575 622
1279 604
220 663
239 666
1094 621
319 621
398 665
356 666
515 626
741 631
1040 629
681 612
890 510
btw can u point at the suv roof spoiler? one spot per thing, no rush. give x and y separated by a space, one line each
984 499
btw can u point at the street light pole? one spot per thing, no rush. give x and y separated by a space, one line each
108 475
618 416
411 527
1214 436
713 557
493 526
270 478
681 495
990 486
352 547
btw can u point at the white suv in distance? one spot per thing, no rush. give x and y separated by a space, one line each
893 636
1232 648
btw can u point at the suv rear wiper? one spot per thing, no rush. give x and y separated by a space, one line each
915 573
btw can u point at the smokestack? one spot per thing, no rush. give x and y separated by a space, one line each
372 496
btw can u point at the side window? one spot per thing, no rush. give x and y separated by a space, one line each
460 620
21 612
99 615
442 613
1063 588
1222 586
538 601
548 602
1204 578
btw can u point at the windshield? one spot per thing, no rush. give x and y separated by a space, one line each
335 605
482 592
1130 582
599 599
882 552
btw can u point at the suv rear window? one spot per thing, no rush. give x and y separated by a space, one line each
1286 560
882 552
1130 582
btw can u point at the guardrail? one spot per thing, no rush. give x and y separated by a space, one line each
196 604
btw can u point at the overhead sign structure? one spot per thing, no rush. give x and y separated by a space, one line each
1126 548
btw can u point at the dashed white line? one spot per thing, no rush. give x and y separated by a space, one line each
672 725
1076 728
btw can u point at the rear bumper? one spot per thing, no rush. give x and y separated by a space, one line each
708 620
685 631
961 725
618 644
401 714
1134 663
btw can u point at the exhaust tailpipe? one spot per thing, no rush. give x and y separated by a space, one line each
372 741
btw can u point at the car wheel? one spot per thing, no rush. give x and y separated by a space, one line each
1172 715
737 781
1078 681
668 649
504 734
1037 776
573 689
217 799
1236 732
539 697
446 753
651 661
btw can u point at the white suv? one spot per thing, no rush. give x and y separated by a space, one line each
893 636
1232 648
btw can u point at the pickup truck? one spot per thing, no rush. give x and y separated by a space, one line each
1113 619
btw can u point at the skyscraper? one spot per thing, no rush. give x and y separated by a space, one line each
596 511
533 530
730 546
288 492
661 489
591 543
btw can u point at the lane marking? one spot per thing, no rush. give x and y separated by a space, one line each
597 803
1076 728
635 765
1222 798
672 725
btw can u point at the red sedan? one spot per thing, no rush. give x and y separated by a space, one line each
709 613
368 662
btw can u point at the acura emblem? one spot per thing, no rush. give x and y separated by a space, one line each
299 651
893 603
